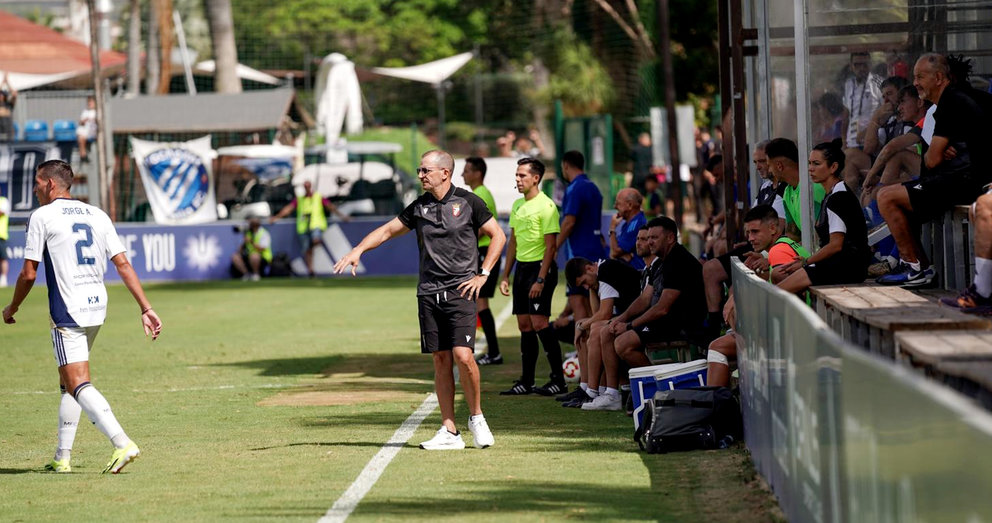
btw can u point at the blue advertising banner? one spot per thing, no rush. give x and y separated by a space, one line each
17 165
203 252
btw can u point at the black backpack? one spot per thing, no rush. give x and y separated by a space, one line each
690 419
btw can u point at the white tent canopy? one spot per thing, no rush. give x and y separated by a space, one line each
24 81
243 71
339 98
432 72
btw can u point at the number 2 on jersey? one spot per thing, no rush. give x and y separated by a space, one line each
85 242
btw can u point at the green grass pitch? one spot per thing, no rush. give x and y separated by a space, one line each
264 401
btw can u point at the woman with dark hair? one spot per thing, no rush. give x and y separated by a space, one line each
844 254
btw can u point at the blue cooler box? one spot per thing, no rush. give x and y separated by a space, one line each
645 381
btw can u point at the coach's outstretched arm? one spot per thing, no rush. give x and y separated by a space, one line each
385 232
149 320
29 272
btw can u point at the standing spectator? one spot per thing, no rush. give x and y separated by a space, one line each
474 175
77 303
654 199
624 226
956 166
641 159
86 132
255 252
530 146
448 221
844 254
862 94
311 220
533 233
581 220
4 236
8 97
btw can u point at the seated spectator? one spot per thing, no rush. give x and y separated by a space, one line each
255 252
771 190
783 164
977 298
624 226
771 252
899 159
653 203
582 395
832 117
956 166
680 307
616 285
844 254
883 125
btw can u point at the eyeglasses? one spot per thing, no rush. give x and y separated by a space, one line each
425 170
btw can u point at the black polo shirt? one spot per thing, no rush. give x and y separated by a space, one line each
448 235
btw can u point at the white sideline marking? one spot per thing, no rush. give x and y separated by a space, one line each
504 315
344 506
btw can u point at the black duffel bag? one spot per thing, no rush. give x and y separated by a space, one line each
690 419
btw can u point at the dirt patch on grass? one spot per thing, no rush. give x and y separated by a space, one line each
351 389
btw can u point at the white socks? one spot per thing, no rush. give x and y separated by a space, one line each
611 392
3 280
916 266
983 276
69 412
98 410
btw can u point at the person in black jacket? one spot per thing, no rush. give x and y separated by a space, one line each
844 253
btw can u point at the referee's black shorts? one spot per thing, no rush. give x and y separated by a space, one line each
488 289
447 320
524 277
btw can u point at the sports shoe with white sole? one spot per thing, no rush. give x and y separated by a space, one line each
58 465
122 457
444 440
485 359
604 402
482 437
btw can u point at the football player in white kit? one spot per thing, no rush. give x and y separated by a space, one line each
74 240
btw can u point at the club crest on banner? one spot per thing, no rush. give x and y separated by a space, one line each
178 179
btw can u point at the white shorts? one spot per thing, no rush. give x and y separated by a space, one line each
73 344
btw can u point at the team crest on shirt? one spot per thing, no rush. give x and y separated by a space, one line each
456 209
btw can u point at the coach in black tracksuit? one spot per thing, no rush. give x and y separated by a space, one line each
447 220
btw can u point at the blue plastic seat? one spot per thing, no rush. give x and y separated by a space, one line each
36 131
64 130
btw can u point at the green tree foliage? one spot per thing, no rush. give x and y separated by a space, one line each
577 77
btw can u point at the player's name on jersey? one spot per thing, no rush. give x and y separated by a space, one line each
75 211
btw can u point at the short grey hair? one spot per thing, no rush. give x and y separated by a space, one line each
440 158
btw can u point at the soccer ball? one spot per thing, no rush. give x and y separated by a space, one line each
570 368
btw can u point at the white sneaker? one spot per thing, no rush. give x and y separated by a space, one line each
444 440
481 435
603 402
256 277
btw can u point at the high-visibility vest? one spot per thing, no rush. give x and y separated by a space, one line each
4 219
250 244
310 214
796 246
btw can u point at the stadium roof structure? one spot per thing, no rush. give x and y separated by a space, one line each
36 55
208 112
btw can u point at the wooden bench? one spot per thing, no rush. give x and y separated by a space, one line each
676 351
870 316
929 348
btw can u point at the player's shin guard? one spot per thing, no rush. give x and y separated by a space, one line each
553 350
489 329
98 410
528 353
69 412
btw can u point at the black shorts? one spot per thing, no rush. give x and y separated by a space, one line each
488 289
662 329
3 249
447 320
836 270
738 252
523 278
933 196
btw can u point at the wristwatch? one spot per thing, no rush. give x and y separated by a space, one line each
485 272
539 280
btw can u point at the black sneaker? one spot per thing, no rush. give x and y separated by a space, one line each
519 388
551 388
578 401
486 360
578 393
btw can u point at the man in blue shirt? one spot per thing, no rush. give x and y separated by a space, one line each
624 226
581 219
